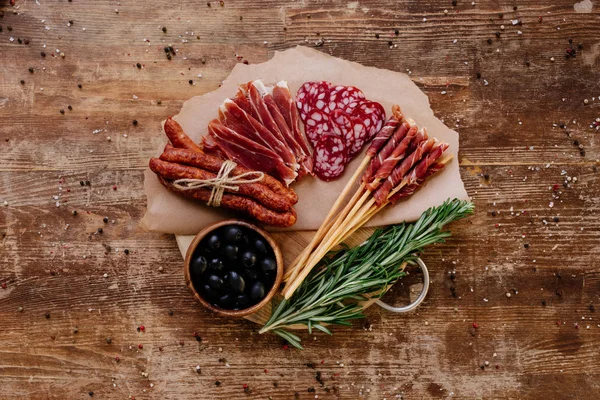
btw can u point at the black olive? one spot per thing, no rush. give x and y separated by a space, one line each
257 292
198 265
236 282
208 292
248 259
226 301
242 301
268 265
250 274
230 252
233 234
260 245
216 264
213 242
215 282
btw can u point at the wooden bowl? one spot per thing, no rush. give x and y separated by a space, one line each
268 296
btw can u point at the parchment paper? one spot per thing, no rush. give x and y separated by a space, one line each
169 213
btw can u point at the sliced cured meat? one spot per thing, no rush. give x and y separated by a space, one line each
351 129
386 131
256 91
373 116
312 95
345 98
329 157
285 103
235 118
249 153
317 123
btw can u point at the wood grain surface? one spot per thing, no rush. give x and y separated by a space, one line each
512 307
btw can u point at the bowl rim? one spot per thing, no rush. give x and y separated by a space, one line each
221 311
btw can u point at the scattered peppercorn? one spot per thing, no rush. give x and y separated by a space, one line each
478 75
135 122
311 390
493 213
105 220
47 315
138 65
75 330
515 8
19 40
140 346
527 63
70 107
526 245
580 46
9 28
377 35
164 29
100 230
22 82
74 212
556 219
88 183
498 34
592 308
62 111
208 4
79 85
203 60
486 177
91 394
159 101
217 383
30 69
43 54
544 303
108 340
166 49
396 32
191 82
126 251
171 312
489 41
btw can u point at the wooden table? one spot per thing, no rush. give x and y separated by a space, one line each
511 311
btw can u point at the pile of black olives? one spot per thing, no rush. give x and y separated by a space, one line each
233 267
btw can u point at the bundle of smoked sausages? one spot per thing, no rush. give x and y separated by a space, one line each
266 200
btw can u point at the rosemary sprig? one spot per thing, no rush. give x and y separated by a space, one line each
332 293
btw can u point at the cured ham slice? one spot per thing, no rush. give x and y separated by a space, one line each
249 153
235 118
283 98
401 170
385 151
410 189
386 132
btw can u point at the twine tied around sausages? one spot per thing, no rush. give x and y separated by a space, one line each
221 182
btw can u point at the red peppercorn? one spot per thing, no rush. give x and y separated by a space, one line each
52 337
475 325
160 348
245 386
142 328
117 359
181 342
140 346
286 347
266 371
3 285
195 334
115 187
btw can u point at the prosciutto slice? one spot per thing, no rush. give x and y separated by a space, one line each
283 98
249 153
411 188
401 170
235 118
386 132
385 151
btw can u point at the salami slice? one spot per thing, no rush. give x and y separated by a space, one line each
329 157
351 129
312 95
345 98
317 123
373 116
